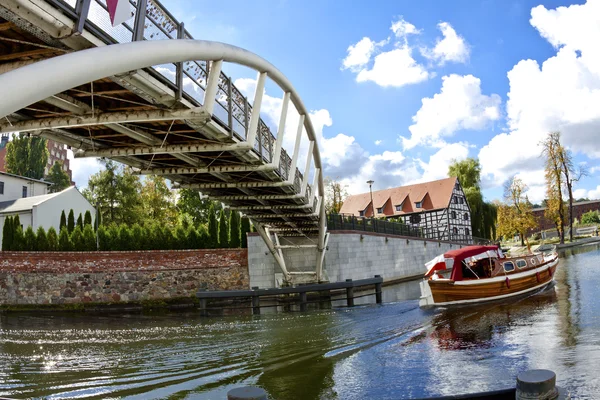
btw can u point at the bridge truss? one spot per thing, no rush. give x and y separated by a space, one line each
163 107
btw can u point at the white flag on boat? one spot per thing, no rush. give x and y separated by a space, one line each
119 11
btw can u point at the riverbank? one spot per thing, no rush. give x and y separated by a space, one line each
575 243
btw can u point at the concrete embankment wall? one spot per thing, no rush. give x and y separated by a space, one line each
351 255
33 278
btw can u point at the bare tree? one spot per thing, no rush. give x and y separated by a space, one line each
552 153
335 194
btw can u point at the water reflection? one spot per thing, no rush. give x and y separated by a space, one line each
386 352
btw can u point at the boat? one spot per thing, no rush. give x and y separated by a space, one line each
476 274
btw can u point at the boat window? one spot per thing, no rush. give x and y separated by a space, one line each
521 263
509 266
533 261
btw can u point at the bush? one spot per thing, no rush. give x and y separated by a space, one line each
234 230
30 240
138 238
63 220
193 238
87 219
77 239
223 230
590 217
18 243
213 228
7 234
245 228
104 238
80 222
181 238
89 238
52 239
64 240
125 242
41 239
71 221
204 239
168 239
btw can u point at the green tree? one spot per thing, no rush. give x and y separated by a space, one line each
71 222
234 230
30 240
190 202
113 235
80 221
157 200
468 172
137 237
64 240
59 178
213 228
104 238
590 217
181 238
223 231
115 191
52 238
63 220
26 155
89 238
515 216
245 229
18 243
125 238
77 239
87 219
41 239
7 234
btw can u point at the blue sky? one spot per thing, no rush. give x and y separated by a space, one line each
368 71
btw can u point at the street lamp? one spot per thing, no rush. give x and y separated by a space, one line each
371 182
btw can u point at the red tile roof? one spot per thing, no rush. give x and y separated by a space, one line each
440 194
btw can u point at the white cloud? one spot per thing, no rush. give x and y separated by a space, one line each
437 167
359 54
452 47
395 67
459 105
592 194
562 94
378 142
83 168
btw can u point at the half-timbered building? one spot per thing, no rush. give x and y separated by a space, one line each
438 208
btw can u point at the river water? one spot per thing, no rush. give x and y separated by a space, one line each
391 351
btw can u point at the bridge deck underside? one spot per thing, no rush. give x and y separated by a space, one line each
291 215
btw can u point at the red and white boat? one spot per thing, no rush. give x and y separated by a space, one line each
476 274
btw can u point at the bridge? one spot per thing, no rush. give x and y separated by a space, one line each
148 95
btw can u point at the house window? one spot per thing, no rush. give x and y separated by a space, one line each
399 207
460 200
466 216
455 231
1 187
455 199
24 191
419 204
467 231
361 213
380 210
453 214
415 219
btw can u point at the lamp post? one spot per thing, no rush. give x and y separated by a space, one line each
371 182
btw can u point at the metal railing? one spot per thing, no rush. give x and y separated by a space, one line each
349 222
188 79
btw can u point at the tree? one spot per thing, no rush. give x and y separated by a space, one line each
234 230
63 220
125 238
64 240
551 150
590 217
483 215
30 240
87 219
59 178
245 228
157 200
71 222
77 239
52 238
190 202
41 239
213 229
104 240
223 231
515 216
335 194
26 155
89 238
7 234
80 222
115 191
18 242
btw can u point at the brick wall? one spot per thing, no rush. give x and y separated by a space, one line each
578 211
80 277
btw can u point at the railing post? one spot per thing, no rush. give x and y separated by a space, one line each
255 302
140 20
378 293
230 107
203 304
246 118
179 66
81 9
349 295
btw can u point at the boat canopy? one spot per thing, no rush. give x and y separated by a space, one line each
456 257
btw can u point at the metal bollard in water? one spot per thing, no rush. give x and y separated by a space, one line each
538 384
247 393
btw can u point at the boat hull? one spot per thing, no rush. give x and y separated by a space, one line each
446 292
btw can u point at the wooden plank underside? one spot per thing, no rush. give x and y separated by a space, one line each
444 292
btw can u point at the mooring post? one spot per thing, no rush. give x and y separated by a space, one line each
302 301
378 293
350 294
324 299
203 304
247 393
255 302
538 384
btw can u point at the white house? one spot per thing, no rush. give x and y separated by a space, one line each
14 187
45 210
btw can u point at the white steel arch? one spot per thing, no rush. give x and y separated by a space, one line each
38 81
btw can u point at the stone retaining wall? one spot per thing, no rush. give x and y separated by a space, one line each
119 276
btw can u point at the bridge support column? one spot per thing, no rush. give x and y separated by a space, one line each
266 237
